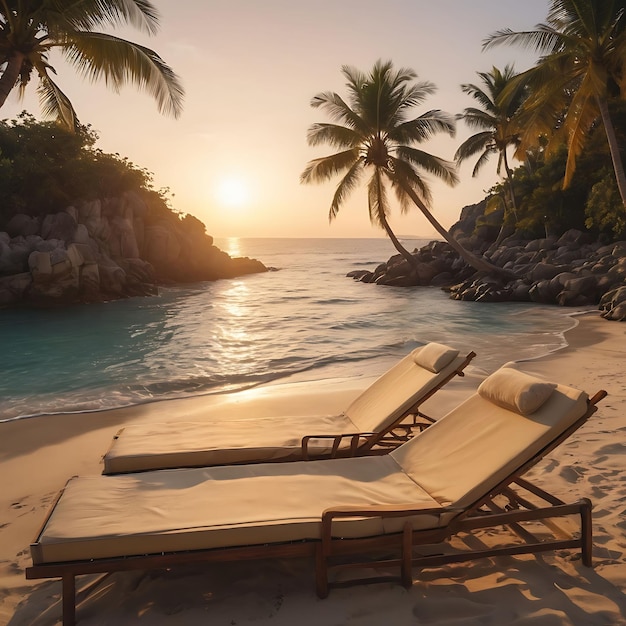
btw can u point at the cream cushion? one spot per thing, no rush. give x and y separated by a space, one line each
220 442
515 390
164 445
201 508
468 452
455 462
397 390
435 356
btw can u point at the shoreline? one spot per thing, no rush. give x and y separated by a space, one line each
38 455
320 375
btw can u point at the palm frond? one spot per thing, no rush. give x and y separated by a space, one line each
378 202
475 118
324 168
98 55
90 14
423 127
347 184
485 100
54 103
582 113
333 135
405 176
482 160
337 109
480 142
445 170
544 39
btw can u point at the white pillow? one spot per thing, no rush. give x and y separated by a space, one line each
434 356
515 390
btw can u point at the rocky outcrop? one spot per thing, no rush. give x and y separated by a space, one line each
570 270
106 249
613 304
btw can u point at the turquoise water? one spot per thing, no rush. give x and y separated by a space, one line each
307 318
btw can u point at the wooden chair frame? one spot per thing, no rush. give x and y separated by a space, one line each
331 552
386 439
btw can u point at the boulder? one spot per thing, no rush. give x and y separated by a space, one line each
14 256
90 281
58 226
13 288
81 234
613 304
112 279
542 292
39 263
545 271
161 247
21 224
573 236
520 292
122 242
536 245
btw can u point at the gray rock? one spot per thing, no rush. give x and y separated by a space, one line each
545 271
542 292
536 245
21 224
58 226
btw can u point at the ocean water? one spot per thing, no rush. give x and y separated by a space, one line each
304 321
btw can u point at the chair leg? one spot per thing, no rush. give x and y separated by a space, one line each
321 573
586 531
69 600
407 556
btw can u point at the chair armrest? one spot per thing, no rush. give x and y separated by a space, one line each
382 510
355 439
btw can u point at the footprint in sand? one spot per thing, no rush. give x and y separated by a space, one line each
598 478
598 493
571 474
613 448
598 513
551 465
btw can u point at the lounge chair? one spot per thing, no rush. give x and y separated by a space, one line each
370 424
444 482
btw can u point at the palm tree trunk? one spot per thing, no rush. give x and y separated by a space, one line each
500 236
616 157
385 224
509 177
397 245
10 75
478 263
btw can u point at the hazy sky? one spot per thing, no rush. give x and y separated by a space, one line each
250 69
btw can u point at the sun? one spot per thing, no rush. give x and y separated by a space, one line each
233 192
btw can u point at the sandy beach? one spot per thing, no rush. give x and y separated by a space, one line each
38 455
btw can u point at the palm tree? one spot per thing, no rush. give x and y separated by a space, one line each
31 29
582 67
376 134
497 121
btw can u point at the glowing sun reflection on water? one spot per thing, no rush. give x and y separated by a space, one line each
234 335
232 246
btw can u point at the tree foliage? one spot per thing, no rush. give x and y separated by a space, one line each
378 134
590 202
31 29
45 168
580 71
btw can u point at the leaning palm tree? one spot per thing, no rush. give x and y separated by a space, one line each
31 29
376 134
497 121
583 66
